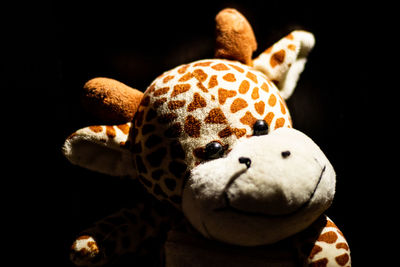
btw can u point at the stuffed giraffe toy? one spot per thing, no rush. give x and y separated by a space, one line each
212 143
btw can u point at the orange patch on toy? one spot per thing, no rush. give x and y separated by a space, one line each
161 91
269 117
220 66
203 64
223 94
277 58
183 69
168 78
237 68
200 75
265 87
279 123
248 119
328 237
124 128
244 87
179 89
255 94
238 104
291 47
252 76
192 126
198 102
260 106
229 77
172 105
212 82
216 115
272 100
186 77
110 131
96 129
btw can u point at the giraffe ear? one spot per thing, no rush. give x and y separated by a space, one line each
101 148
234 36
111 101
284 61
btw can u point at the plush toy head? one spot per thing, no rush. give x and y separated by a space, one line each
215 139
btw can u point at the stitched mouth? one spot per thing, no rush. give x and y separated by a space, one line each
228 207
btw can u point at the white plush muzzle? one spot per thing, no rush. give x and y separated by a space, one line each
267 188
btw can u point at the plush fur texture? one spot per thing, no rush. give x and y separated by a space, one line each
287 185
261 188
234 37
110 100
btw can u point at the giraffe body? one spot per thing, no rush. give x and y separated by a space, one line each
212 143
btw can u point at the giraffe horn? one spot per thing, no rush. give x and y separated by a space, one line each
111 101
234 36
284 61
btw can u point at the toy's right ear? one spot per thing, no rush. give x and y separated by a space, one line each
103 148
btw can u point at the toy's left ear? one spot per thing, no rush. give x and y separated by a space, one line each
284 61
103 148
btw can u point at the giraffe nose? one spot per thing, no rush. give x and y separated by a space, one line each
245 161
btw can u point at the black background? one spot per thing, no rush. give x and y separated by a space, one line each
340 102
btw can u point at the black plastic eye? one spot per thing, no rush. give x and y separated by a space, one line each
260 127
214 150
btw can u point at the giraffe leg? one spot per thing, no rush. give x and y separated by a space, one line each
323 244
120 234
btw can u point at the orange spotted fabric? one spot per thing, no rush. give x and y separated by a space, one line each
191 105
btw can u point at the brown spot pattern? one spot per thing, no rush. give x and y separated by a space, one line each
342 245
161 91
168 78
183 69
237 68
179 89
328 237
291 47
248 119
315 250
216 116
203 64
279 123
159 102
124 128
255 95
213 82
265 87
110 131
277 58
198 102
319 263
229 77
252 76
244 87
96 129
272 100
192 126
223 94
220 66
172 105
269 117
238 104
260 106
342 259
186 77
200 75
